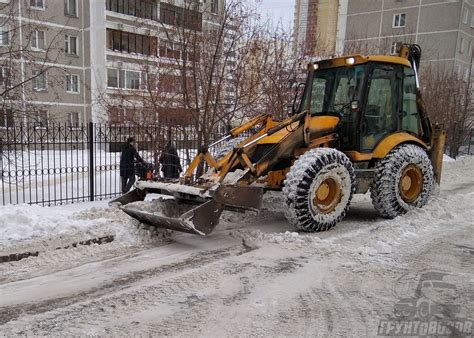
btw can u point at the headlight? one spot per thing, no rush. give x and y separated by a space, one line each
350 61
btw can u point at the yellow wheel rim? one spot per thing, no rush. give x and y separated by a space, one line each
327 195
411 183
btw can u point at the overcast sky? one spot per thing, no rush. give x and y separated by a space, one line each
279 9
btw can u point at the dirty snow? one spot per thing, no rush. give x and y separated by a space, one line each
254 276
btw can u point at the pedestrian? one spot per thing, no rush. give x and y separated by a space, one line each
170 163
127 167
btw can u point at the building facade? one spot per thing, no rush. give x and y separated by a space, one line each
66 61
45 61
443 28
317 26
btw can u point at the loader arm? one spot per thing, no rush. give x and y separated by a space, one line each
205 155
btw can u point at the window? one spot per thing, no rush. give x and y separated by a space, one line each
214 6
120 78
72 83
180 17
395 48
170 50
116 115
39 80
37 4
399 20
146 9
381 111
73 119
410 120
465 16
112 78
132 80
71 45
5 77
38 40
131 43
6 118
4 35
462 45
472 20
70 8
40 118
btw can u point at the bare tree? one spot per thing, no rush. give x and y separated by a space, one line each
449 102
218 71
208 73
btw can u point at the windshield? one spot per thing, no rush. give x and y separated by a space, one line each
334 89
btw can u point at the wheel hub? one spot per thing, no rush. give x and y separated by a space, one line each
411 183
327 195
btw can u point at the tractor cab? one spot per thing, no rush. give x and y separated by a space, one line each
374 97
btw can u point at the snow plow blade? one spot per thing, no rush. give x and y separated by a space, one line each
202 219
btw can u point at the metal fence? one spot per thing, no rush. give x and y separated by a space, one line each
58 164
468 146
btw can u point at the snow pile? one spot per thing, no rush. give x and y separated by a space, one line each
447 158
29 221
440 214
287 237
76 222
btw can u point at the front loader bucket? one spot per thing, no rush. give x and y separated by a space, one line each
134 195
202 219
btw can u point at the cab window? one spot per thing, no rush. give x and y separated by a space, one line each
320 86
410 120
333 89
381 110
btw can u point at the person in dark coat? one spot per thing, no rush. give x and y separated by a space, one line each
170 163
127 167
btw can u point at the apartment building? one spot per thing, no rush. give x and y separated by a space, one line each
44 61
317 26
443 28
67 61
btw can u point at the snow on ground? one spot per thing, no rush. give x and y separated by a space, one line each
253 276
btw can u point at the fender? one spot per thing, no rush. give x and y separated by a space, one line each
388 143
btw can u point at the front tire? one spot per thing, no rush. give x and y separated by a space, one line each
403 180
318 189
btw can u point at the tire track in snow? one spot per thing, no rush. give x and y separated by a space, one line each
11 313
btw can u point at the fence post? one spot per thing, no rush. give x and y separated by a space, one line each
91 160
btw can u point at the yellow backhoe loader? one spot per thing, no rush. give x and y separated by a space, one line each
359 124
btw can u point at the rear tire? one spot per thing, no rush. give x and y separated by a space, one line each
403 181
318 189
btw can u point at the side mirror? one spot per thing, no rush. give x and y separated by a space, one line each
355 106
